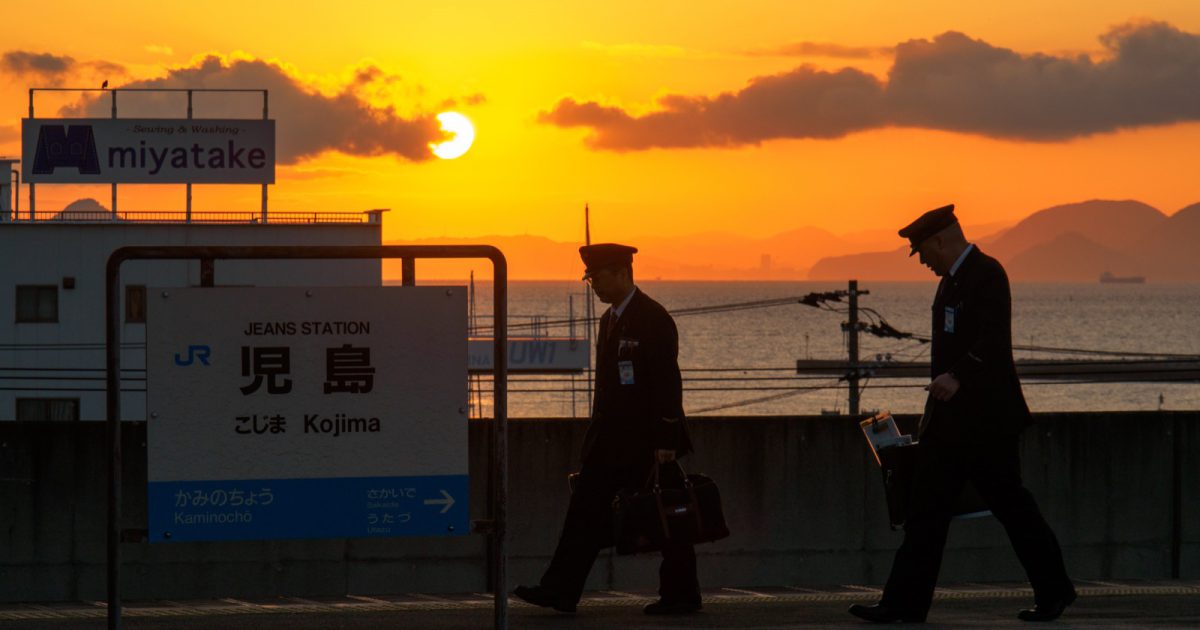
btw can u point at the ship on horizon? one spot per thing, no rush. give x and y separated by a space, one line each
1108 278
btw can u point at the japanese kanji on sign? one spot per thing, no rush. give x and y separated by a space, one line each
317 412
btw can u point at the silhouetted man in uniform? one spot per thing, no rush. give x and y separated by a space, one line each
969 431
637 423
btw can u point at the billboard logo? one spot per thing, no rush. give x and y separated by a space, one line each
66 146
194 352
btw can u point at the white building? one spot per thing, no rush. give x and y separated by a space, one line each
52 275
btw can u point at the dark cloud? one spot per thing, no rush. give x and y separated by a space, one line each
803 103
107 68
45 64
1148 76
823 49
470 100
307 122
50 70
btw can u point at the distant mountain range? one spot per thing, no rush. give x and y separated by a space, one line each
706 256
1073 242
1069 243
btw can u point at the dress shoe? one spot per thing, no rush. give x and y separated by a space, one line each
880 613
539 596
1047 611
663 607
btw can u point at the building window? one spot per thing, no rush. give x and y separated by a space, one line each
135 304
37 303
47 409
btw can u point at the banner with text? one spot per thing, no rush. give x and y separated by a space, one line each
531 356
147 151
327 412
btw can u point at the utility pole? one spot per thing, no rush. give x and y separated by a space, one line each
852 369
852 343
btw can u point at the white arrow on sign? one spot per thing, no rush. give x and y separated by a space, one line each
448 502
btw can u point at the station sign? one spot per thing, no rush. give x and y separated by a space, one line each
532 356
324 412
147 151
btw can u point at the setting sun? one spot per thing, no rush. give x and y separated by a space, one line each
464 136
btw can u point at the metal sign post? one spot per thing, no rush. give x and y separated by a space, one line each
495 526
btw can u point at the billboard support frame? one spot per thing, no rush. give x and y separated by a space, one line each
495 527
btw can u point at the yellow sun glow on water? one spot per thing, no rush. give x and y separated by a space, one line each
464 136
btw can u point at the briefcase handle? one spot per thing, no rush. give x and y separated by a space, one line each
652 479
694 503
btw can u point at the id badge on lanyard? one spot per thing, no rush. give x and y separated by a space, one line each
625 370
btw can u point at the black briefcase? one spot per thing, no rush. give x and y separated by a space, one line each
898 464
686 510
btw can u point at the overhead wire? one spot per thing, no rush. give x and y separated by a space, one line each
872 322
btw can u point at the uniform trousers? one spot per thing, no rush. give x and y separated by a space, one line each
588 528
943 466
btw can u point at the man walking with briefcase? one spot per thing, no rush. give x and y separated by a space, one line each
637 424
970 432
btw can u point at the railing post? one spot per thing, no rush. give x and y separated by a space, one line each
500 445
114 186
408 271
265 94
188 215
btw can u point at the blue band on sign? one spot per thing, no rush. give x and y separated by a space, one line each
270 509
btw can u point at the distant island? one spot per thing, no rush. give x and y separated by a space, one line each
1069 243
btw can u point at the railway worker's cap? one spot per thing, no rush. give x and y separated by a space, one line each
927 225
605 255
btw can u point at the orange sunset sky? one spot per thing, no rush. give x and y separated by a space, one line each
668 118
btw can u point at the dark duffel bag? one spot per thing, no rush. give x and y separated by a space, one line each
684 510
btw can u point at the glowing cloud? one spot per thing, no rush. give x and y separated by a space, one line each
307 122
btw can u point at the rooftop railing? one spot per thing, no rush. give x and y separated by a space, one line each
171 216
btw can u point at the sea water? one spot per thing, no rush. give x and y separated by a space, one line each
742 362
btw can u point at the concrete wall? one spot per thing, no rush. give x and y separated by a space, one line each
802 496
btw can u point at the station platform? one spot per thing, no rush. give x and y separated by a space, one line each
1124 604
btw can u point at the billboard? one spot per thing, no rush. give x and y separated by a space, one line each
147 151
277 413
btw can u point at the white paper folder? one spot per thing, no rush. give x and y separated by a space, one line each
881 432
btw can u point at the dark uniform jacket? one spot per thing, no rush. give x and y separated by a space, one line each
638 387
972 339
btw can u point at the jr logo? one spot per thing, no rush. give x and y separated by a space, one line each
194 352
60 145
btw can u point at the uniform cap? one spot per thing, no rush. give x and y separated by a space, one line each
604 255
927 225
